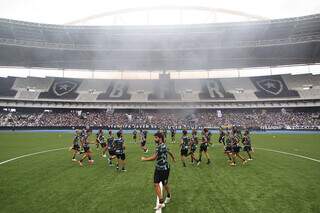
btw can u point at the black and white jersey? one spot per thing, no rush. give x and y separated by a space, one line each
76 140
119 145
110 141
246 140
185 142
162 157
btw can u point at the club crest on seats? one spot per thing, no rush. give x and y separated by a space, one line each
63 87
271 86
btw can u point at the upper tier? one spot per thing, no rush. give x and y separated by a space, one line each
203 46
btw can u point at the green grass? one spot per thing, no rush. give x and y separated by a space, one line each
50 182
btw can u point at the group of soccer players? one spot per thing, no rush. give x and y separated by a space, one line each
231 138
188 146
114 146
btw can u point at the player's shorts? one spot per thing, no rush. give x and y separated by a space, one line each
227 149
247 148
134 137
161 176
111 152
193 149
235 149
203 148
221 139
76 147
103 145
184 152
86 149
143 143
121 156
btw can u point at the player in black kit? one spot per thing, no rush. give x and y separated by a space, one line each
235 149
75 145
204 146
193 145
143 138
162 170
184 146
111 148
246 141
134 135
120 151
173 135
221 136
85 145
98 135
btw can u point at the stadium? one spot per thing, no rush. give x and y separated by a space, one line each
223 97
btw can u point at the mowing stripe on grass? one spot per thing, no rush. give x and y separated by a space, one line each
288 153
31 154
265 149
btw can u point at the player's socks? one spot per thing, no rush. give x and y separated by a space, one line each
168 198
208 161
159 206
184 164
123 169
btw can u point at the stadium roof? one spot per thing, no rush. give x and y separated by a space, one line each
104 12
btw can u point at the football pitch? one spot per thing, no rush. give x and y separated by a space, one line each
51 182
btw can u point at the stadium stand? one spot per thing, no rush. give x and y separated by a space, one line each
272 87
252 118
232 89
300 81
6 87
25 95
88 96
93 85
62 88
38 84
229 45
213 89
117 90
140 89
164 89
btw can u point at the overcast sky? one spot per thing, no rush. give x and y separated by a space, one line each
64 11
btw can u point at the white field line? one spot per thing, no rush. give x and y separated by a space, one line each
285 153
288 153
31 154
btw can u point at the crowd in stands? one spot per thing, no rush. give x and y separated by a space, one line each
257 119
